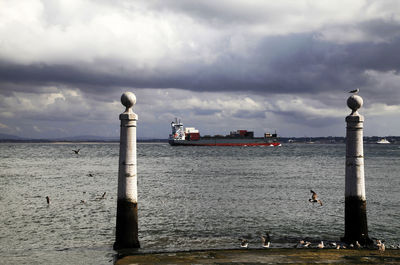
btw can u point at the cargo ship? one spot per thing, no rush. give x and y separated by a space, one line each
190 136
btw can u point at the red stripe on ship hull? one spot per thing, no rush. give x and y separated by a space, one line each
231 144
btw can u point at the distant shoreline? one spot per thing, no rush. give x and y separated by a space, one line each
77 141
286 140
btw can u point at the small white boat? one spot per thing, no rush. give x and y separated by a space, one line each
383 141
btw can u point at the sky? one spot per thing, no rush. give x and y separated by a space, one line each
217 65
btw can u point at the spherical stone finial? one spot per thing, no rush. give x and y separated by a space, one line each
128 99
354 102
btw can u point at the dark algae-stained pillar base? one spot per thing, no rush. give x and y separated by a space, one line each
356 228
127 225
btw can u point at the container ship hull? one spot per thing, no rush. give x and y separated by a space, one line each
191 137
225 142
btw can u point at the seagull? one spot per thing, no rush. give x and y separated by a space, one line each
298 245
48 199
303 244
76 151
355 91
321 245
82 201
314 198
266 240
90 175
104 194
380 245
243 243
357 245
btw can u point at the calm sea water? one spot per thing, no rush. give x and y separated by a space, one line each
189 198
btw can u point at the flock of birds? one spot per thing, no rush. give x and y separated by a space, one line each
266 239
82 201
266 243
76 151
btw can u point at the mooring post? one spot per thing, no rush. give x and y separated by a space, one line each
127 209
356 228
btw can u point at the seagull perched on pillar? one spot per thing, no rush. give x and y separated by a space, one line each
355 91
314 198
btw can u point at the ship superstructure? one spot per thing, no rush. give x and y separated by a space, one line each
191 136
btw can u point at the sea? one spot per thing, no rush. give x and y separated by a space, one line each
189 198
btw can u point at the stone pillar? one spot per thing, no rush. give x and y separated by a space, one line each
127 217
356 228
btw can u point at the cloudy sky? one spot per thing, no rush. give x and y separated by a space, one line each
218 65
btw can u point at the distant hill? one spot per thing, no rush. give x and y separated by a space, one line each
82 138
10 137
79 138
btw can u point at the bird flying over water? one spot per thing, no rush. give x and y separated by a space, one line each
266 240
76 151
314 198
355 91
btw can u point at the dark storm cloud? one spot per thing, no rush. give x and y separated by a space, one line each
298 63
206 111
383 29
245 114
373 56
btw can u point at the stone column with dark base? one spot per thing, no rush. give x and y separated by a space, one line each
356 228
127 209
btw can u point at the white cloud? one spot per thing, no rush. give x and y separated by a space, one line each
379 109
309 109
139 35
